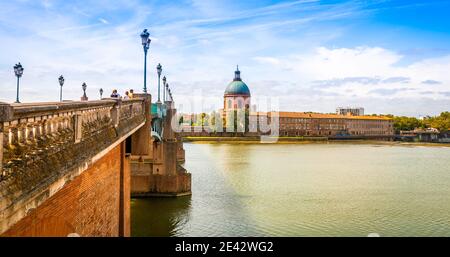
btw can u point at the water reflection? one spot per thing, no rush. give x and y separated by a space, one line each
305 190
159 216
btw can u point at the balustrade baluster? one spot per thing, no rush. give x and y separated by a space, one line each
58 138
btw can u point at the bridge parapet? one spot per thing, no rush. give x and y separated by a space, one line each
35 136
44 142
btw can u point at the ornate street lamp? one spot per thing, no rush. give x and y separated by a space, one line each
167 89
101 93
164 88
84 97
159 70
18 70
61 83
146 44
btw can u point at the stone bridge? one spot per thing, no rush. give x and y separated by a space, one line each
71 167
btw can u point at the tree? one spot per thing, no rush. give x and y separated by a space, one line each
204 119
213 118
441 122
407 123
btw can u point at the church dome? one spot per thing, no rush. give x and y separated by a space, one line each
237 86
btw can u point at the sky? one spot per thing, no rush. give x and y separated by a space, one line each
386 56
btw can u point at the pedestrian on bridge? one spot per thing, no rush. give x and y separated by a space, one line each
115 94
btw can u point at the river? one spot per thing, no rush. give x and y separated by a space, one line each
315 189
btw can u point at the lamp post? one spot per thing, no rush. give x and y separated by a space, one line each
164 88
84 97
101 93
159 70
18 70
167 89
146 44
61 83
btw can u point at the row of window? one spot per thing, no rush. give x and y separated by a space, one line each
329 133
240 104
303 120
368 126
307 126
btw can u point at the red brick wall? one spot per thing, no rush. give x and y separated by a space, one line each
88 205
140 183
180 183
125 197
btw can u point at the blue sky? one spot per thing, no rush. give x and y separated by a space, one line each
387 56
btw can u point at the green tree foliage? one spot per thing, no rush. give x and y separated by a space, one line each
205 119
216 122
407 123
241 120
201 119
213 119
441 122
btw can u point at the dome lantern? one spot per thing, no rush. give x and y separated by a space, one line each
237 74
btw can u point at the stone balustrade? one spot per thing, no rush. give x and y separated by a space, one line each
40 140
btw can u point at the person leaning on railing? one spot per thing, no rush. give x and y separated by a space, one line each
115 94
131 94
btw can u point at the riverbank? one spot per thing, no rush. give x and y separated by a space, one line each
252 139
304 140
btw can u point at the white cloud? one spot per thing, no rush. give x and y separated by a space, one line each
103 21
275 47
267 60
363 69
326 63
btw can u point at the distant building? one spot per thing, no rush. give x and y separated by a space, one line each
355 111
346 123
333 125
237 94
295 124
444 137
420 135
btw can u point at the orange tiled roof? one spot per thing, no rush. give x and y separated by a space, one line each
328 116
258 113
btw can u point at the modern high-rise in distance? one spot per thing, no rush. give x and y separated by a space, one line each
355 111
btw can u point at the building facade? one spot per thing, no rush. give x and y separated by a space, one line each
356 111
332 125
237 94
346 123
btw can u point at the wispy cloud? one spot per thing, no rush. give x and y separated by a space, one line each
103 21
302 51
338 82
387 91
431 82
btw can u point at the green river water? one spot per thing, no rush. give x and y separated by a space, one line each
316 189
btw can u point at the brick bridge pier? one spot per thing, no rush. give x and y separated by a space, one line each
70 167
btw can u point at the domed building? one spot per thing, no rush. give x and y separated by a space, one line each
237 94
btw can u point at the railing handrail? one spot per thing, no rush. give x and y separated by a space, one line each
28 132
25 110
